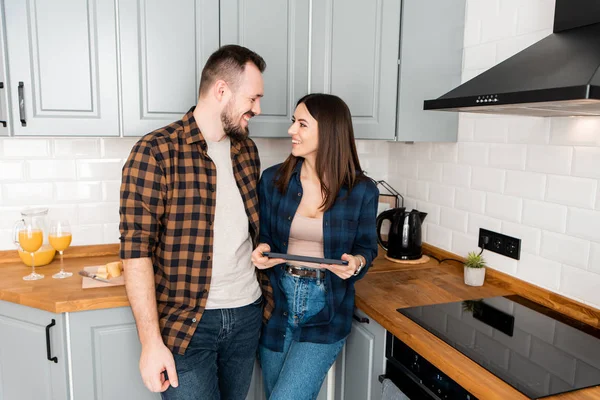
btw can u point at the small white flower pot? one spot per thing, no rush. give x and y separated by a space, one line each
474 276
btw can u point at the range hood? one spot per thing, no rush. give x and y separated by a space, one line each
557 76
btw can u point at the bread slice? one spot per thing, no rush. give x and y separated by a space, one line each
114 269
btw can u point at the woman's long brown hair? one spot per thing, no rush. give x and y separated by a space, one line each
337 162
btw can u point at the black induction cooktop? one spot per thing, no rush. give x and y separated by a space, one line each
531 347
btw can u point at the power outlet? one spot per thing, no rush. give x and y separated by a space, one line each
498 243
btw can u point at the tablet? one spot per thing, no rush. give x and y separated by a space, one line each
292 257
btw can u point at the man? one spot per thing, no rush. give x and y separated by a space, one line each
189 222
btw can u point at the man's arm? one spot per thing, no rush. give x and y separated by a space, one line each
155 357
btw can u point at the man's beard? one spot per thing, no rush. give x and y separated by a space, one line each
233 130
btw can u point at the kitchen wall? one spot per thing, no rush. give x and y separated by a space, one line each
79 179
533 178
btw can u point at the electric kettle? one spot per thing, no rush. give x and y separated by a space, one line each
404 239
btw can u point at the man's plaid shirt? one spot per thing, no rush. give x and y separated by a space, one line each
168 195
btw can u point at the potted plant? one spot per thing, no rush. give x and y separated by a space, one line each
474 269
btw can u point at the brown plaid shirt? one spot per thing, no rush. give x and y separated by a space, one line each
168 195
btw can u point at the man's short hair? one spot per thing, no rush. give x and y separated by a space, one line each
228 63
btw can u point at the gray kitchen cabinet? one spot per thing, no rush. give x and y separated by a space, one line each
62 63
355 56
431 49
363 360
278 31
105 353
25 371
163 48
4 112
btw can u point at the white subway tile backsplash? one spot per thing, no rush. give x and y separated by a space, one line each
99 169
594 265
51 170
482 10
575 131
77 148
418 190
26 148
477 221
490 130
508 156
550 159
539 271
111 191
456 175
101 213
455 220
462 243
432 210
565 249
88 234
530 237
67 212
8 217
430 172
444 152
503 26
479 56
529 130
533 16
472 32
27 194
501 263
473 153
548 216
580 284
117 147
441 195
407 170
78 192
525 184
466 126
438 236
584 224
111 233
507 208
470 200
571 191
586 162
12 170
488 179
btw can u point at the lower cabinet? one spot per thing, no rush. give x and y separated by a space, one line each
105 354
28 338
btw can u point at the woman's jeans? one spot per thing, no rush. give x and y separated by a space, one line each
298 372
219 360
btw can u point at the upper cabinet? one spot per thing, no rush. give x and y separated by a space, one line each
62 63
279 31
164 45
127 67
355 56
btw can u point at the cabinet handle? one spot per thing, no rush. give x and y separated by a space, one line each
22 105
2 122
360 319
48 350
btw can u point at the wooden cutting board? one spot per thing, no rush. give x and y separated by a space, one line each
88 283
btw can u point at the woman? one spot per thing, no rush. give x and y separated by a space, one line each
317 203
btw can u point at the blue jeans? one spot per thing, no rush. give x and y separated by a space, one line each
219 360
298 372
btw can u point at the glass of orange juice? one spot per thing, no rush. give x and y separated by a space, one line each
28 236
60 238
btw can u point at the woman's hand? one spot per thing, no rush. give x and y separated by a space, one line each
344 271
262 262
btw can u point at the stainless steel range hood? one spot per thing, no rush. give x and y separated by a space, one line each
557 76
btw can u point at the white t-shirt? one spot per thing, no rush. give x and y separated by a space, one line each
233 283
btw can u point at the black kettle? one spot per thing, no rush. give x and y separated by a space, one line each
404 240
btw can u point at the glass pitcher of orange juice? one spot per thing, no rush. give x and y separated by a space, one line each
45 254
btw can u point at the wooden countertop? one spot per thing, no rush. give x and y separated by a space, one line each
60 295
385 288
389 286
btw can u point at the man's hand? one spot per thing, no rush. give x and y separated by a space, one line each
262 262
154 360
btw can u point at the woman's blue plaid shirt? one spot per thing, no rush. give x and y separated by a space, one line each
348 227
